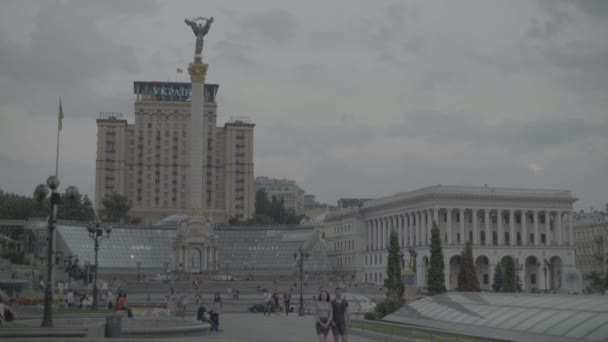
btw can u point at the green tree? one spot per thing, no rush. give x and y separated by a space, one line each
498 278
115 207
436 277
87 213
262 206
467 277
508 284
393 282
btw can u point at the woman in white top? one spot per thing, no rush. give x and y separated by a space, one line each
323 315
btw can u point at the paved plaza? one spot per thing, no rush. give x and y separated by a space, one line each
257 327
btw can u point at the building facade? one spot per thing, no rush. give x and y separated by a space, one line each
352 202
148 161
535 227
591 242
287 190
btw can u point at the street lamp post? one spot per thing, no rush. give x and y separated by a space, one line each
545 268
299 255
41 192
227 269
96 230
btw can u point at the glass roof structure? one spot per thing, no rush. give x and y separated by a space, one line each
526 317
126 246
271 248
260 247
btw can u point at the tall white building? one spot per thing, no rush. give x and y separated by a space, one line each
287 190
532 226
148 161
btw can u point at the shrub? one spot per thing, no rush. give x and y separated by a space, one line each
370 316
386 308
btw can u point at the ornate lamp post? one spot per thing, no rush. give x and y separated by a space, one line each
545 268
96 230
40 194
299 255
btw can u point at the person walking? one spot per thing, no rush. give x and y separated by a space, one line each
287 301
214 314
171 303
236 296
341 316
323 315
122 305
267 302
70 298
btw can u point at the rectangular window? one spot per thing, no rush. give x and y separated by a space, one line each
533 278
542 238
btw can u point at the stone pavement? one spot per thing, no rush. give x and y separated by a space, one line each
257 327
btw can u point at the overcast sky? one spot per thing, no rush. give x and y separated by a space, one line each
350 98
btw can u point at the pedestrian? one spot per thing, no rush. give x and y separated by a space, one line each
197 298
184 304
171 303
69 298
42 285
267 302
110 300
323 315
214 314
341 316
236 296
217 298
122 305
275 298
200 316
7 312
287 301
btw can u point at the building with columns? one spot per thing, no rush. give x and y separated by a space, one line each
533 226
591 242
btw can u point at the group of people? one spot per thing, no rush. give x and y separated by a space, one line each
83 300
214 313
331 314
277 301
7 311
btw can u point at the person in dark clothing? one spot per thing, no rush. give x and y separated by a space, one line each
341 316
200 316
287 302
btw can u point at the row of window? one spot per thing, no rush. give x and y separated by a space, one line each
375 259
344 245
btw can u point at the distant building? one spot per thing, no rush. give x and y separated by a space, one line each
352 202
309 201
288 190
533 226
148 161
591 242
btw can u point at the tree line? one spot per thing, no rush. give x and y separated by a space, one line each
269 212
73 206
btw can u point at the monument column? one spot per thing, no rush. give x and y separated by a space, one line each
198 134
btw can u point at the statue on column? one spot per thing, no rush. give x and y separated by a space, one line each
199 31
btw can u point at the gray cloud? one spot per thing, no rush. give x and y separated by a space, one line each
511 97
276 25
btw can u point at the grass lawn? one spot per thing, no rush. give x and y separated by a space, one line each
402 331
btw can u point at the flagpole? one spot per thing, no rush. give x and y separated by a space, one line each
58 130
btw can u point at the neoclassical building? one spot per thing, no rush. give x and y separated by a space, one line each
533 226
